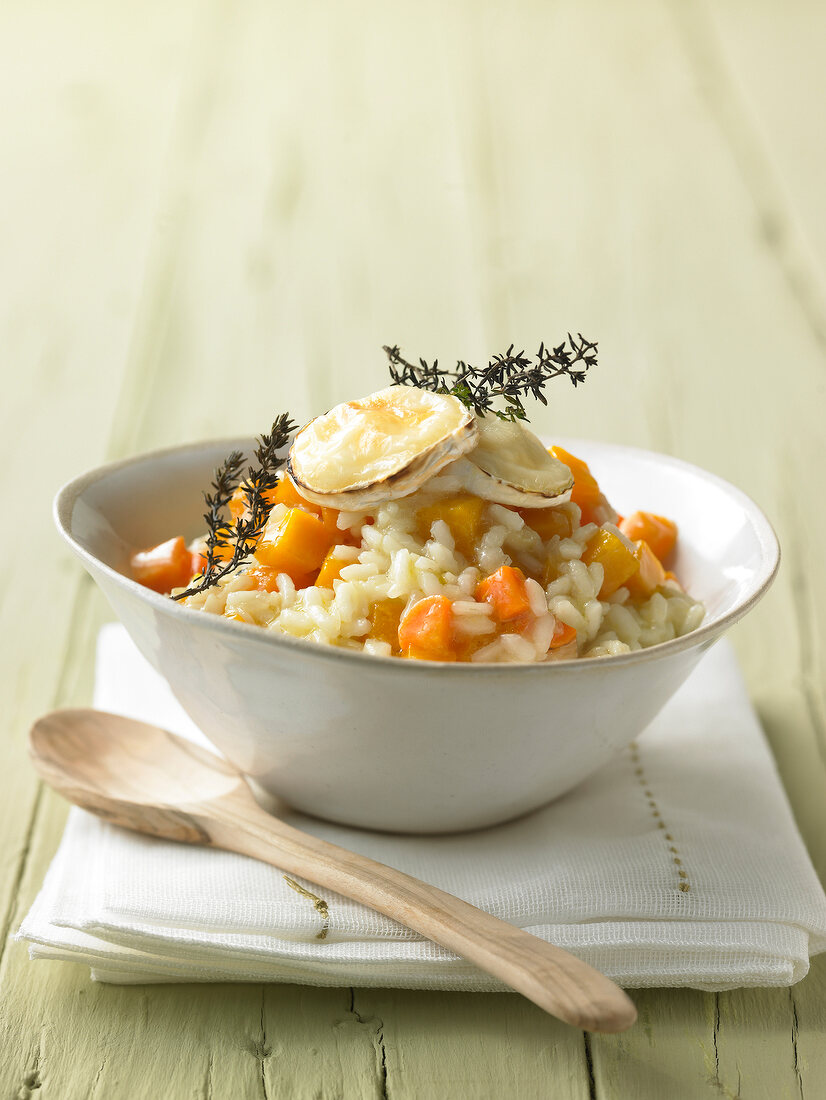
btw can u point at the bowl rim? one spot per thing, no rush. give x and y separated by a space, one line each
705 634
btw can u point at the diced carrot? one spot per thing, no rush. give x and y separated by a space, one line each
505 591
462 514
548 522
385 617
296 544
163 567
650 574
426 630
331 569
660 533
563 635
618 562
198 563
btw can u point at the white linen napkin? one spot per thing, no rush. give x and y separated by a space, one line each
677 864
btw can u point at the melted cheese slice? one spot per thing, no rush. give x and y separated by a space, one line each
379 447
509 465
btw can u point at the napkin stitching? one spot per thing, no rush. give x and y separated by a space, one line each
683 882
320 906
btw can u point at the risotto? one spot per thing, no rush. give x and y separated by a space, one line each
439 572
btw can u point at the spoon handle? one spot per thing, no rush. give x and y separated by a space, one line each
558 982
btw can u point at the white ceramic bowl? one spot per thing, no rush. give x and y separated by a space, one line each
399 745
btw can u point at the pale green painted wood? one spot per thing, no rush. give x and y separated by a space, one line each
224 216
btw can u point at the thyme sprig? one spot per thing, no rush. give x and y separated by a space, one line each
242 533
508 377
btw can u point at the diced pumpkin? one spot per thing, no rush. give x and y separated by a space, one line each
506 592
331 569
266 578
563 635
650 574
592 502
586 492
222 553
660 533
548 522
296 544
618 562
286 493
163 567
468 645
238 502
385 617
426 630
462 514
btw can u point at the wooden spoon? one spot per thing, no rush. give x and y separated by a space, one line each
144 778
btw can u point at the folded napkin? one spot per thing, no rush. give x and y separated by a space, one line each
677 864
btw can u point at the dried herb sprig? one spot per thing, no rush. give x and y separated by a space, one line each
508 377
243 533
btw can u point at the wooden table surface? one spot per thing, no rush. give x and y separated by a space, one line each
213 212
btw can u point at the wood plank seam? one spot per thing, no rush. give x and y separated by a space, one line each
778 225
589 1067
22 862
795 1052
264 1050
802 604
11 915
378 1043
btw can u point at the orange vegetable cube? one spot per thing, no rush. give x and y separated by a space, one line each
660 533
618 562
296 544
426 630
266 578
586 492
505 591
238 502
563 635
650 574
286 493
331 569
385 618
163 567
223 553
462 514
548 522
